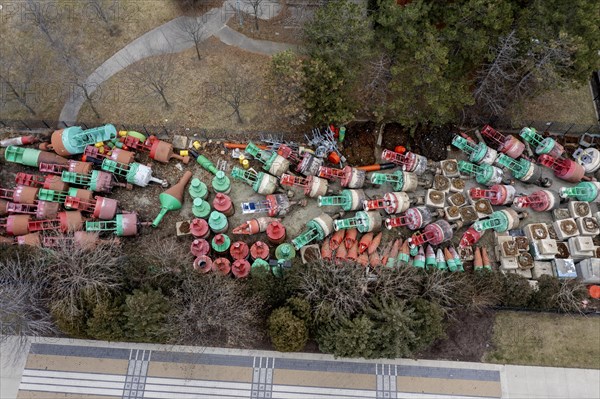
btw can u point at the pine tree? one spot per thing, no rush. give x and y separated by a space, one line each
146 313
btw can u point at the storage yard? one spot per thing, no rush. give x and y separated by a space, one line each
517 203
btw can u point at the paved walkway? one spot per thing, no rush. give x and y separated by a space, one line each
170 38
93 369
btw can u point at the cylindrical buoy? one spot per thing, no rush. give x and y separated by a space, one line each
203 264
199 228
217 222
25 194
17 225
276 232
222 265
200 208
223 204
512 146
220 244
259 250
199 247
285 251
239 250
198 189
240 268
221 183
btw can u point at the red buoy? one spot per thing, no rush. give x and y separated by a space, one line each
203 264
239 250
223 204
276 233
199 247
222 265
199 228
240 268
259 250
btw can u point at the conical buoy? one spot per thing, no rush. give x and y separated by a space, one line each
391 261
350 237
375 243
364 242
486 259
374 259
363 259
341 254
478 261
326 252
440 260
353 251
430 257
336 239
419 260
404 255
172 199
449 260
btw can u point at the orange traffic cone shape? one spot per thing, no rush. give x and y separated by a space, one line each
326 252
364 243
485 259
375 243
404 254
350 238
478 262
341 254
363 259
353 251
336 239
374 259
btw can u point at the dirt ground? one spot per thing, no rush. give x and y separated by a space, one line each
281 28
468 338
360 143
190 93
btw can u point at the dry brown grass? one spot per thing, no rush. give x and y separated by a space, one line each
570 105
189 94
84 34
543 339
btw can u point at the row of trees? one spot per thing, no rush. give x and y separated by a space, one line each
395 312
155 296
422 61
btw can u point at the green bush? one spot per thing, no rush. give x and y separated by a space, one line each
270 290
517 291
430 318
107 321
288 333
146 313
348 338
544 298
300 308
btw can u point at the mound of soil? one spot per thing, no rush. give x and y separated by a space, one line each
468 338
431 141
395 134
359 143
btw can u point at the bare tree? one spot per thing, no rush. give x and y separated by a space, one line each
23 307
237 88
17 72
154 75
256 9
379 76
75 271
106 10
495 78
209 309
333 290
192 29
74 65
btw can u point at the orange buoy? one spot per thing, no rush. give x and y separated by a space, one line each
350 238
336 239
364 242
326 252
375 243
594 291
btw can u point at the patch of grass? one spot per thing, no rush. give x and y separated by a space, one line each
569 105
545 340
189 93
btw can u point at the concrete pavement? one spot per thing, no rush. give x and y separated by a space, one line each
68 368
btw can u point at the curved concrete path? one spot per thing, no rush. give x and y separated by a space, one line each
170 38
